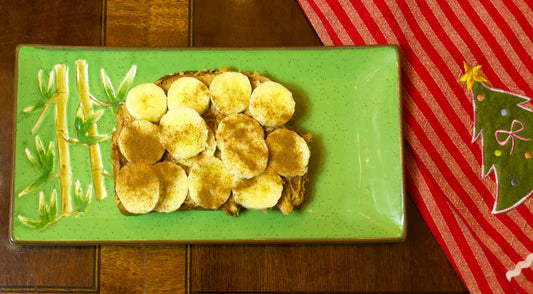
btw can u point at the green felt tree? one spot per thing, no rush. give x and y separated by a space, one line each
504 124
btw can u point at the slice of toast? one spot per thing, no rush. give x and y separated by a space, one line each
293 187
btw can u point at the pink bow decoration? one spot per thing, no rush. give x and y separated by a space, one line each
511 134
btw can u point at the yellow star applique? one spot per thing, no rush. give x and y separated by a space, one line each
472 74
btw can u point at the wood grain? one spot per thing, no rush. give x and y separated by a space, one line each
27 268
416 265
252 23
147 23
143 269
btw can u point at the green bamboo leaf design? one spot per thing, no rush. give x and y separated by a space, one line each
43 209
45 158
43 162
48 213
88 193
82 128
116 98
78 194
82 200
39 147
46 90
49 164
108 86
42 88
36 164
35 184
83 124
126 83
78 119
32 223
94 117
35 107
51 84
52 212
86 198
77 189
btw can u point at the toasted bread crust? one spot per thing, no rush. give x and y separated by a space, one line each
293 187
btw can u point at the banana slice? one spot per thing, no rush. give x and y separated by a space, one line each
261 192
208 152
289 153
210 183
271 104
139 141
188 91
147 101
237 125
175 187
242 146
230 92
183 132
138 187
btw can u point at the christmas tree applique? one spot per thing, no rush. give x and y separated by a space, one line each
504 124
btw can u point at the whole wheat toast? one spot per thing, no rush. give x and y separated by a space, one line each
293 187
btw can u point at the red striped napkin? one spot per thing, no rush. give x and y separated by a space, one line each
490 252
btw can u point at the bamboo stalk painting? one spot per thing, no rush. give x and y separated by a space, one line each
86 134
65 172
94 150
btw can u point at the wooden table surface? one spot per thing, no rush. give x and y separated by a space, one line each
416 265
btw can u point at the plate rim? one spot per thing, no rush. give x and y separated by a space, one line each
404 227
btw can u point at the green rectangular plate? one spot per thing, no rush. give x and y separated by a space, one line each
346 97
